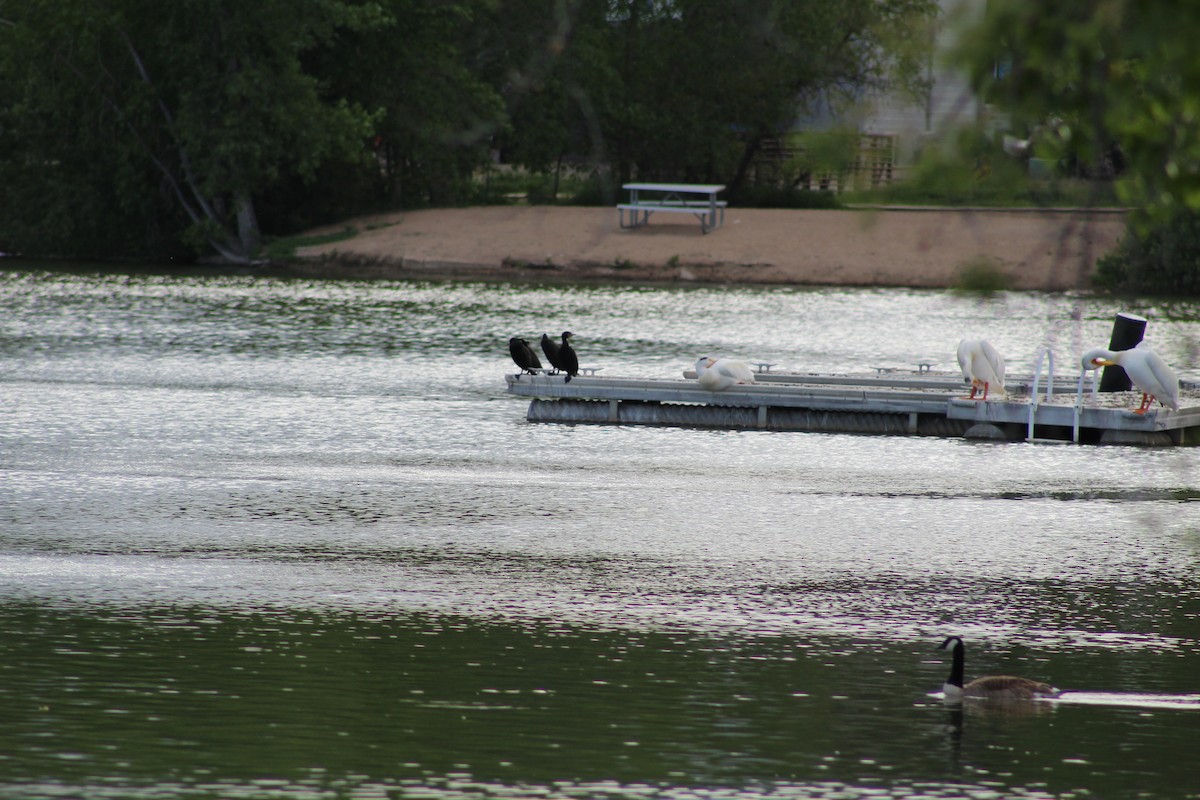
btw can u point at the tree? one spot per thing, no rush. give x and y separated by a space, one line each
1099 74
201 103
693 88
437 113
129 126
685 89
541 64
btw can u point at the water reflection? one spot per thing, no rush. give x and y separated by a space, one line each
1180 702
404 702
290 538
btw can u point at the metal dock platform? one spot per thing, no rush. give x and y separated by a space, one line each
917 403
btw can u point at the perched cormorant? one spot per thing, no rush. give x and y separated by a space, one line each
523 355
982 365
568 361
992 687
551 348
1146 368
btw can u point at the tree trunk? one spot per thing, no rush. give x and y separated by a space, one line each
249 236
743 168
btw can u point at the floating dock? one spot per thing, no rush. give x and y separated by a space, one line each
921 402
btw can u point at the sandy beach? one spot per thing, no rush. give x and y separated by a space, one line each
1051 250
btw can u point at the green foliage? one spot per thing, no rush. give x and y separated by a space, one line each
1102 77
786 197
498 186
515 186
139 127
1162 258
425 74
284 249
541 191
976 171
631 84
594 191
191 106
830 152
981 275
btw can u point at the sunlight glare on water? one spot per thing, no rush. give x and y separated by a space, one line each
250 492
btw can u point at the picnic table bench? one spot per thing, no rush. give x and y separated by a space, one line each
672 198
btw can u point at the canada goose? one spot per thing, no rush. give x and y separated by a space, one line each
982 365
717 374
1146 368
992 687
523 355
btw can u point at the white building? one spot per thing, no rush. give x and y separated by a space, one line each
949 104
897 126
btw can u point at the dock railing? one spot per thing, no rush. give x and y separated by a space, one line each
1079 399
1037 376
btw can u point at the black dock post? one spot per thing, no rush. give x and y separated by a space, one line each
1127 333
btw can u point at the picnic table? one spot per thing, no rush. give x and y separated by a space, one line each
673 198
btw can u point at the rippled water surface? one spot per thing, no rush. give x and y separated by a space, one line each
291 539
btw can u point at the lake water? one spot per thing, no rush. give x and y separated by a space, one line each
291 539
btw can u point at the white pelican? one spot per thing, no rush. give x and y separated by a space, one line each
721 373
982 365
992 687
1145 368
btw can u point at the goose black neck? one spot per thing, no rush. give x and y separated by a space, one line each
956 667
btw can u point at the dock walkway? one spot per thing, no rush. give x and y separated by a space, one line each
921 403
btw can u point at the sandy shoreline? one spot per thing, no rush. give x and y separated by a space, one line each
1050 250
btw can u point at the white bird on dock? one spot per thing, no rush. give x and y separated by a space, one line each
721 373
982 365
1146 368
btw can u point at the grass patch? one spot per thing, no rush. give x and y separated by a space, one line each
284 249
974 170
989 193
516 185
981 275
787 197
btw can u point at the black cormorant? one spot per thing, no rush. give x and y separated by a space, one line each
523 355
551 348
568 361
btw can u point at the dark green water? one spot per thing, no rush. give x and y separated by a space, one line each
282 539
191 702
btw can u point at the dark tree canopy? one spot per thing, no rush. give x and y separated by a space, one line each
150 129
184 110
